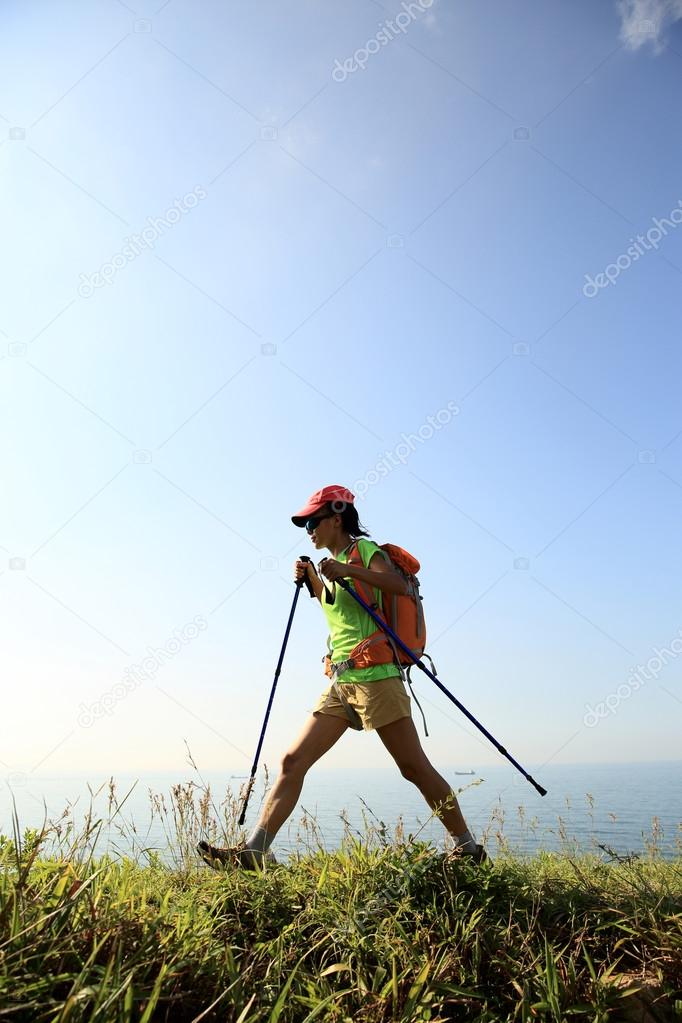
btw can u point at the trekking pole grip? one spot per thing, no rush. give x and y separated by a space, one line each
305 579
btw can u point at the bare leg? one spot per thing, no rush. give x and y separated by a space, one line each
402 741
320 733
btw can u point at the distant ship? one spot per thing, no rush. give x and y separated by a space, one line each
465 772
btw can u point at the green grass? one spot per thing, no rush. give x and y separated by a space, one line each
383 929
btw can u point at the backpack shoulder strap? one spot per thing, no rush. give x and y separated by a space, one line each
364 589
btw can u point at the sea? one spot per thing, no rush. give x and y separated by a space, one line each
615 810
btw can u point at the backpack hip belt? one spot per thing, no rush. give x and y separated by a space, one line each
339 667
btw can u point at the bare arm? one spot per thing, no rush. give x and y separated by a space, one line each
379 573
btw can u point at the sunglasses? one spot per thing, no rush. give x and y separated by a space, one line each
312 523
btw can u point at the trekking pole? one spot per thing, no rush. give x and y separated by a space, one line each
299 584
420 664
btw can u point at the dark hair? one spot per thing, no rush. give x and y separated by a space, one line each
349 517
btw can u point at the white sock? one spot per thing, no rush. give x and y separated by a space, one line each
260 840
466 842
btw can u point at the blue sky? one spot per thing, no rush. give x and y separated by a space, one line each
337 260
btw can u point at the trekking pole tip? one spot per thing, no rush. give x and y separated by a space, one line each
245 800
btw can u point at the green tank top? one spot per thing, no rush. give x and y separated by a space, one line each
349 622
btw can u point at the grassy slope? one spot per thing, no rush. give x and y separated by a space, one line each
399 933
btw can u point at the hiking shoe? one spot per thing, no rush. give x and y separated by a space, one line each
479 855
234 856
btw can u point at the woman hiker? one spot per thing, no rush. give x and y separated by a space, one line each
377 694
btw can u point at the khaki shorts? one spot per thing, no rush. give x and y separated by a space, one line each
378 703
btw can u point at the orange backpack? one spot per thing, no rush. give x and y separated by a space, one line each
402 612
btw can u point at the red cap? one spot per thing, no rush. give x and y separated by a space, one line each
319 499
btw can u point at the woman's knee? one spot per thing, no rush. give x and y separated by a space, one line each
319 735
292 763
414 770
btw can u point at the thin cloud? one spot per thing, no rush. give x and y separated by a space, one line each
647 21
